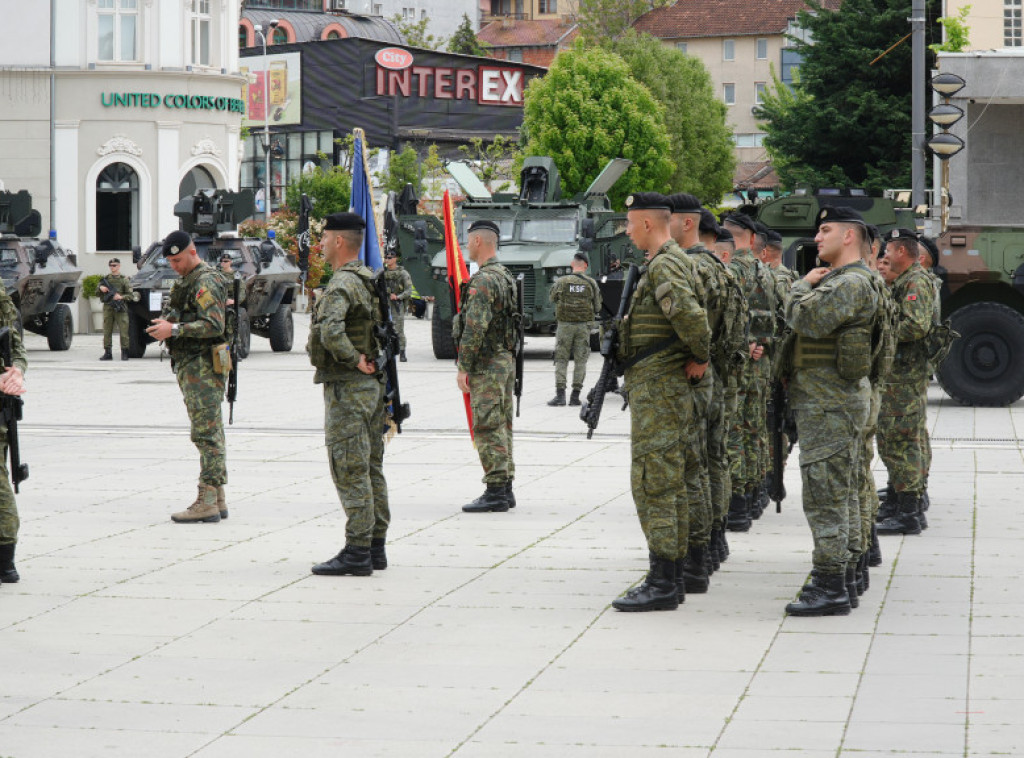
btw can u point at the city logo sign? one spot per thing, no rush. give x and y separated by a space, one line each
487 85
393 58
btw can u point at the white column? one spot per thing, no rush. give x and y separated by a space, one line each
167 179
67 200
231 157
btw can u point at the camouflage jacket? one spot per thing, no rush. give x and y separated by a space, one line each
837 303
667 307
122 285
915 295
9 318
342 324
484 325
399 283
577 298
198 302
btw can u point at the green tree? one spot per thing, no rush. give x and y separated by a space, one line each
702 144
415 33
602 20
331 188
847 121
493 162
958 33
403 168
587 110
465 40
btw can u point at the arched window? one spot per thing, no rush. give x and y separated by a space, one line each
117 208
196 179
279 37
333 35
243 37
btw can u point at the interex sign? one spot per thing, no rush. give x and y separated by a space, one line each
487 85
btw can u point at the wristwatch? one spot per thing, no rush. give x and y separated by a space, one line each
175 328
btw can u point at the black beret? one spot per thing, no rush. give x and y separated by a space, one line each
344 222
648 201
840 214
708 222
175 242
773 238
225 256
115 260
900 234
483 225
582 258
724 235
684 202
929 243
761 229
741 220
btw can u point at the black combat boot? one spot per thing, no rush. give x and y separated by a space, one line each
921 508
759 499
401 356
107 355
851 585
905 520
769 484
739 516
378 558
723 546
124 355
863 580
8 574
658 591
495 498
353 559
887 500
926 502
559 398
574 398
510 494
715 549
825 595
875 551
694 570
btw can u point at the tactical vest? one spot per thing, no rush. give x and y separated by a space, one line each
649 331
359 328
761 297
576 301
504 325
182 301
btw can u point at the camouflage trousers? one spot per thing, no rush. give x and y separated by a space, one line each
572 340
398 317
730 407
354 431
718 453
748 430
492 403
203 391
868 497
112 318
830 445
701 508
903 443
9 522
665 454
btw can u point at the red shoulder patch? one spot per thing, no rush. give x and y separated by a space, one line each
911 297
202 291
472 290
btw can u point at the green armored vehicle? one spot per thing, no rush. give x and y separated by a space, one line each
270 276
540 233
40 276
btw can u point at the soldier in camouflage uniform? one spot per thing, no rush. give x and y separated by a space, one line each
12 382
577 300
112 315
664 351
902 430
929 259
484 333
343 348
193 325
831 312
400 291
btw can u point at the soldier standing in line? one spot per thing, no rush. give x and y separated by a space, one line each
577 300
902 430
831 312
484 330
400 291
664 350
343 348
193 325
115 312
929 259
12 382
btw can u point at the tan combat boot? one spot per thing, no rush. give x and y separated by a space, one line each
203 510
222 505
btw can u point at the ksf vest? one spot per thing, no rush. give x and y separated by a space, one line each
576 298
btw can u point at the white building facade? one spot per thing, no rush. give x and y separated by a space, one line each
112 110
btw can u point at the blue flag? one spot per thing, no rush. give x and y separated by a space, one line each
362 203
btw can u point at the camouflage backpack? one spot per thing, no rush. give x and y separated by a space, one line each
729 345
883 331
939 342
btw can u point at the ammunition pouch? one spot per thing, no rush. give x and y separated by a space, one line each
222 358
853 353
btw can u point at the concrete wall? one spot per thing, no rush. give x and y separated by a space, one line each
985 20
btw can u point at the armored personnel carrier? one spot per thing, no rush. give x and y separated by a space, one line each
540 233
270 275
40 275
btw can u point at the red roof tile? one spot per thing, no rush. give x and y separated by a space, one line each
722 18
532 33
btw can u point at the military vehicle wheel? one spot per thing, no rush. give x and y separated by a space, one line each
60 328
136 342
244 335
986 365
441 336
282 330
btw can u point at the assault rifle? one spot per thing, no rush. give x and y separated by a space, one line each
520 340
387 337
10 414
232 393
108 297
590 413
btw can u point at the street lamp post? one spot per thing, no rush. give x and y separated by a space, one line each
943 144
258 28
